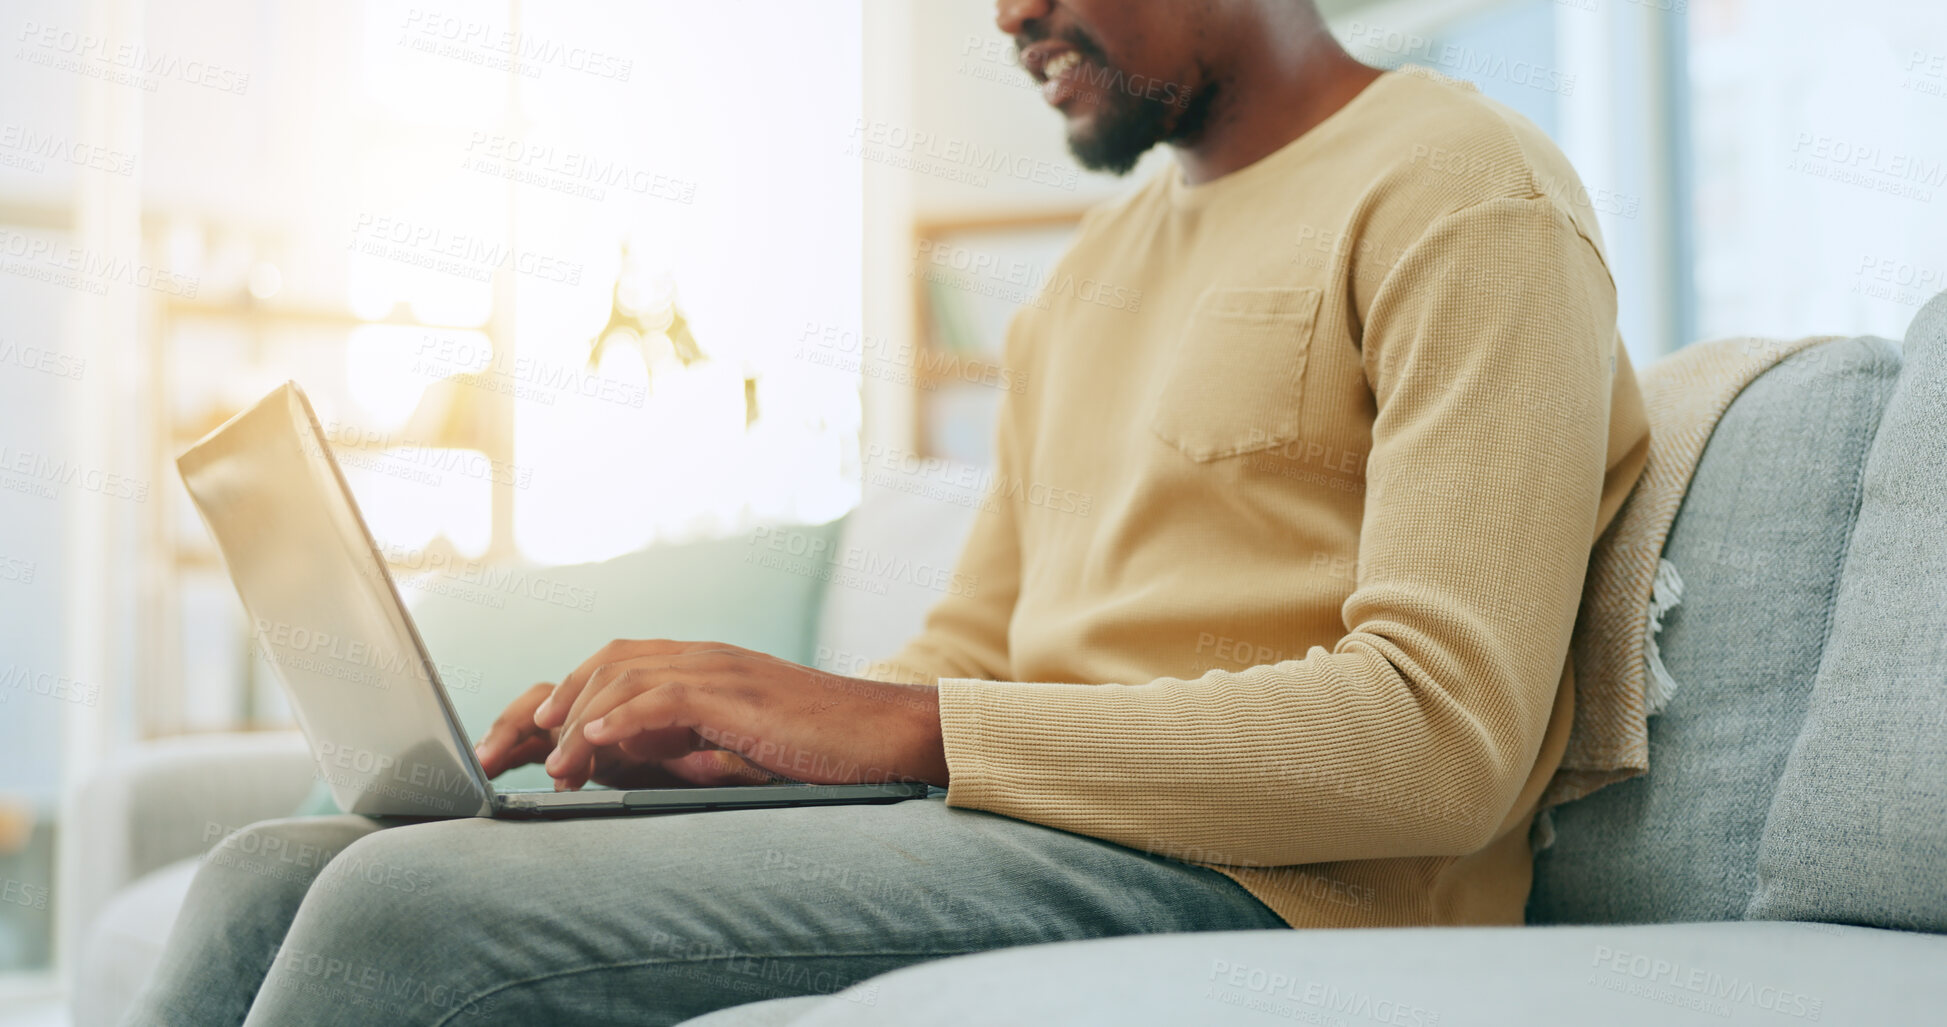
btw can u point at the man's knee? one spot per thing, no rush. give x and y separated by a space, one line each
404 887
393 928
277 855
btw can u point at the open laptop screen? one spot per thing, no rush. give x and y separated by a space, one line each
326 615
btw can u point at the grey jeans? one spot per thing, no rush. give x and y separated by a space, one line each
637 920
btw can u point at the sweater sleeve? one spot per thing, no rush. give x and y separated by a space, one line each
1488 348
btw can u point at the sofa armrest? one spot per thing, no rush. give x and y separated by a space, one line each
1672 975
162 801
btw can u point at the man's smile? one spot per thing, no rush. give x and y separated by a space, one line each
1056 67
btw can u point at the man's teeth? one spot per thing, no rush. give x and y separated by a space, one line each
1056 71
1061 64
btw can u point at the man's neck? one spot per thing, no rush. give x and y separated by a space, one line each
1278 92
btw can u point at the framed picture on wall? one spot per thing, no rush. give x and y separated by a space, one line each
970 276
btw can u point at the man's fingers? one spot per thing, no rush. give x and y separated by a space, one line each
655 709
511 728
613 686
715 768
556 711
600 681
532 749
656 746
581 775
620 686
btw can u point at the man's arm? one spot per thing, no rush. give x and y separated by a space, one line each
1488 349
966 634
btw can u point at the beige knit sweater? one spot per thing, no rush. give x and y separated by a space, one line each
1289 531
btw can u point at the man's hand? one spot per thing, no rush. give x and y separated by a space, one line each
706 707
515 740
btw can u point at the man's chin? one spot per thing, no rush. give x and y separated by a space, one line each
1113 138
1097 154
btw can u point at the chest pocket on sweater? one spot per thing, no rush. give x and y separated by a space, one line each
1236 382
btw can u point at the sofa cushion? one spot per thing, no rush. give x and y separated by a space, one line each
901 546
1672 974
1758 543
124 944
775 1012
760 590
1857 832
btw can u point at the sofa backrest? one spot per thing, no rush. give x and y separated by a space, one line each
497 630
896 557
1857 830
1759 543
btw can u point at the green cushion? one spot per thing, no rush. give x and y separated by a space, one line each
493 639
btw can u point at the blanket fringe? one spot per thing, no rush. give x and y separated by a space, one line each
1664 596
1542 834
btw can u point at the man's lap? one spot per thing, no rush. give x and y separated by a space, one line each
654 919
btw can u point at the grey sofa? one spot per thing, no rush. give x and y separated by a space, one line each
1784 861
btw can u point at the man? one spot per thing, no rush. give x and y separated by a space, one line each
1302 663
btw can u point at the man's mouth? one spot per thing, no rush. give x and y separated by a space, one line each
1059 74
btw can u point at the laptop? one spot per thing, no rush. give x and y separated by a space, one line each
327 616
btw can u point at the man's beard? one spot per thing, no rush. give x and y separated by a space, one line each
1127 125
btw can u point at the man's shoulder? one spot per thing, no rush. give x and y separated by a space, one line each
1437 139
